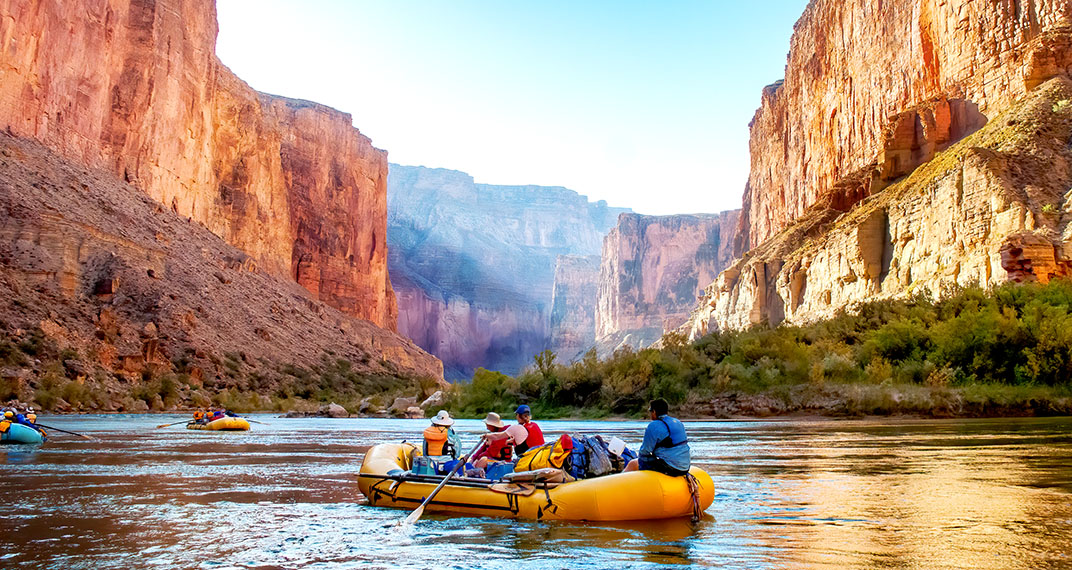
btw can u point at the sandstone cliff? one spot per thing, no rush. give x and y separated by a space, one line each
111 301
652 270
838 208
573 305
134 86
993 207
473 264
844 122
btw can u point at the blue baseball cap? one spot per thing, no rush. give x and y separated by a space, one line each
522 409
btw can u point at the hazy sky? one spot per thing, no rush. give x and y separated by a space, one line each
644 104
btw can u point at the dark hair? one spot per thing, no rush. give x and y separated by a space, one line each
659 406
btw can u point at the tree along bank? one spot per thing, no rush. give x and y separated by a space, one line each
971 353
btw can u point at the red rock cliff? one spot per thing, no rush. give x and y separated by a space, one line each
835 129
651 272
135 86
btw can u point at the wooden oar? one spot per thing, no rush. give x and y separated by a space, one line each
412 518
174 424
64 431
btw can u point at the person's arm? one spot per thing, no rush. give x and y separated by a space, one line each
496 436
652 434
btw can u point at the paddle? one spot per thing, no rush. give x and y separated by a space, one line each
412 518
254 421
174 424
64 431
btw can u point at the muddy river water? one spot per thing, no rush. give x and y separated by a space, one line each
980 494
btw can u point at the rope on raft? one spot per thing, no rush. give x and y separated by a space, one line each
694 490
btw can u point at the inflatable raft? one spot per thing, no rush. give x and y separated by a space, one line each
222 424
639 495
18 433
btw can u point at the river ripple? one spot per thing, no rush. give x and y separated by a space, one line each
981 494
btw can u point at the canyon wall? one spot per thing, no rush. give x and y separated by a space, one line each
573 305
652 270
134 86
824 135
110 301
473 264
913 146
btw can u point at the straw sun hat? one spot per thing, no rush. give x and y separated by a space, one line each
443 419
494 420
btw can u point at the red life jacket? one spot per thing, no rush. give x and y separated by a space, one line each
535 438
501 450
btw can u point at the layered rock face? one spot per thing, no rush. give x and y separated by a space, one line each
994 207
134 86
573 305
899 155
872 90
128 291
652 270
473 264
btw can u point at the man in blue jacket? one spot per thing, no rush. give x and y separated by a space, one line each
666 447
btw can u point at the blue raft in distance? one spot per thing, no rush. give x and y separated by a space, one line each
18 433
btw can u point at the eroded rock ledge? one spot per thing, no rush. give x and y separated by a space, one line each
994 207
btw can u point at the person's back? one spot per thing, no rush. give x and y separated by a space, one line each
666 446
439 438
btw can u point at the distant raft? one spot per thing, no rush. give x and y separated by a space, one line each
18 433
223 424
639 495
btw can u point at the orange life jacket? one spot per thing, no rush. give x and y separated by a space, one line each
435 438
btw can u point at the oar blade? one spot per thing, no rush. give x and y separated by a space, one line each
416 514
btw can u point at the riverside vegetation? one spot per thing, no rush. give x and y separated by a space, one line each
973 352
58 380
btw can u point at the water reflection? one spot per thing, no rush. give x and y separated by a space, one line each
983 494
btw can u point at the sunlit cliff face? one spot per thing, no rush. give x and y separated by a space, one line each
136 88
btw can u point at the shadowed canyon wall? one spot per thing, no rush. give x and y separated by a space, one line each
474 264
573 305
913 146
135 86
652 270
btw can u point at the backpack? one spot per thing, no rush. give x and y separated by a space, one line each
590 458
599 463
555 455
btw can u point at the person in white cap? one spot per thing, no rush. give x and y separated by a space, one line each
440 439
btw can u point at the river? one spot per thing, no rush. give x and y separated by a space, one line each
980 494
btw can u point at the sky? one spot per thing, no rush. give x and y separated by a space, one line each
644 104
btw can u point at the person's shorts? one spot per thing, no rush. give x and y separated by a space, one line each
656 464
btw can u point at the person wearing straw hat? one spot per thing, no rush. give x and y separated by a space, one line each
495 448
440 439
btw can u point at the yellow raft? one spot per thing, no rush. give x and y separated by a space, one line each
222 424
638 495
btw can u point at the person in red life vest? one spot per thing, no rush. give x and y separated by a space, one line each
535 434
497 446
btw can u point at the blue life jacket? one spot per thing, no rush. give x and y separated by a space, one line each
676 433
